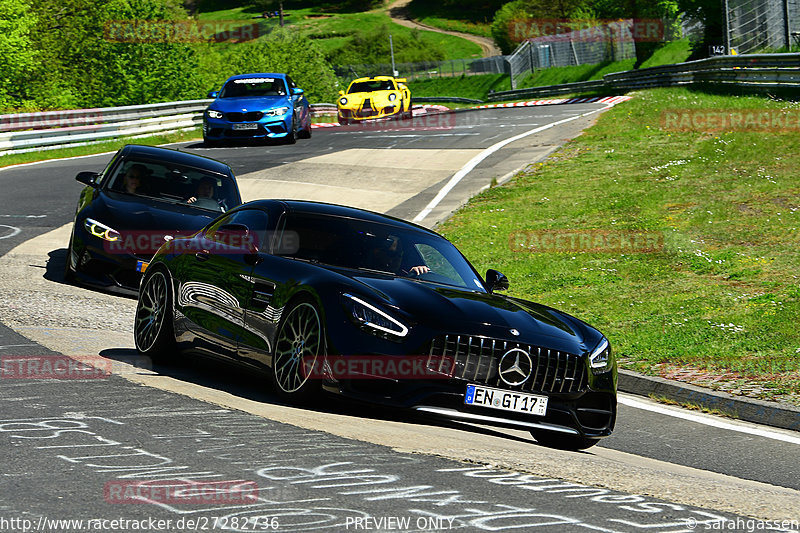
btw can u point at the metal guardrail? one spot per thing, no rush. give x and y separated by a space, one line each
47 130
758 71
452 99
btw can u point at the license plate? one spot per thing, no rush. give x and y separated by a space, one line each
504 400
245 126
141 266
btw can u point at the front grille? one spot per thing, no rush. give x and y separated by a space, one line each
476 359
250 116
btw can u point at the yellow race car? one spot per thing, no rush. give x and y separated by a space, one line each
375 97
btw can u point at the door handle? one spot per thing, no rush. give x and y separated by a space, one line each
202 255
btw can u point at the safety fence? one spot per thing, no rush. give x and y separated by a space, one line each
756 71
752 25
425 69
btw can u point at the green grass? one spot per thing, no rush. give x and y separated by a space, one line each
465 86
450 18
341 25
721 298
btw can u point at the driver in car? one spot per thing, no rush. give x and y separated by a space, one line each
205 189
389 257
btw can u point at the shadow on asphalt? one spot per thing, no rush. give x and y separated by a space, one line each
245 383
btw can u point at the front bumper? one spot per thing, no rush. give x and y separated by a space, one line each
265 128
351 114
93 265
580 402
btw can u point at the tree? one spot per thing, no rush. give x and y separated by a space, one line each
17 53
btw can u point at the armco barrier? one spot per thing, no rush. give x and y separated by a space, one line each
25 132
758 71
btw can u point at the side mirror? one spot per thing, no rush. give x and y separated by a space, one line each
212 94
496 281
297 91
88 178
401 80
237 236
341 93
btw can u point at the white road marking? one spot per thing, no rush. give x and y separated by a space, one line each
23 216
707 420
472 163
14 231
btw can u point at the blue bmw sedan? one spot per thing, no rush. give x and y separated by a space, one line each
257 106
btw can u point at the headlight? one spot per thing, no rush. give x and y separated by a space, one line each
600 358
372 318
392 97
213 114
343 101
100 230
276 111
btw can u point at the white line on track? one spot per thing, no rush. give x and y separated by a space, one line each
13 230
472 163
707 420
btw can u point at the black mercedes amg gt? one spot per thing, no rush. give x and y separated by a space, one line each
144 195
356 303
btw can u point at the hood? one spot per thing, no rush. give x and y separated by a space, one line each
249 103
126 213
449 309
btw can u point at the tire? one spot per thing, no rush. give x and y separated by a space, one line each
300 341
153 330
209 143
343 122
306 132
562 441
69 275
291 137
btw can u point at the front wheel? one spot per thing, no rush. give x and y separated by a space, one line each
69 275
562 441
305 133
291 137
153 329
299 351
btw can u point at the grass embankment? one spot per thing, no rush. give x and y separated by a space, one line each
451 17
719 303
464 86
333 30
674 52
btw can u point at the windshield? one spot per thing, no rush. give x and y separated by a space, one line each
376 247
245 87
369 86
175 183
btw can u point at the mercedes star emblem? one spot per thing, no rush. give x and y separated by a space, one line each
515 332
515 367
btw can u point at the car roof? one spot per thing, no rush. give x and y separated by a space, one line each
175 156
322 208
257 74
378 78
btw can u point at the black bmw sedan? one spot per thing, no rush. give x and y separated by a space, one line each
325 297
145 195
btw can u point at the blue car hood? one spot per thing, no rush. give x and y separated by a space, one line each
261 103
